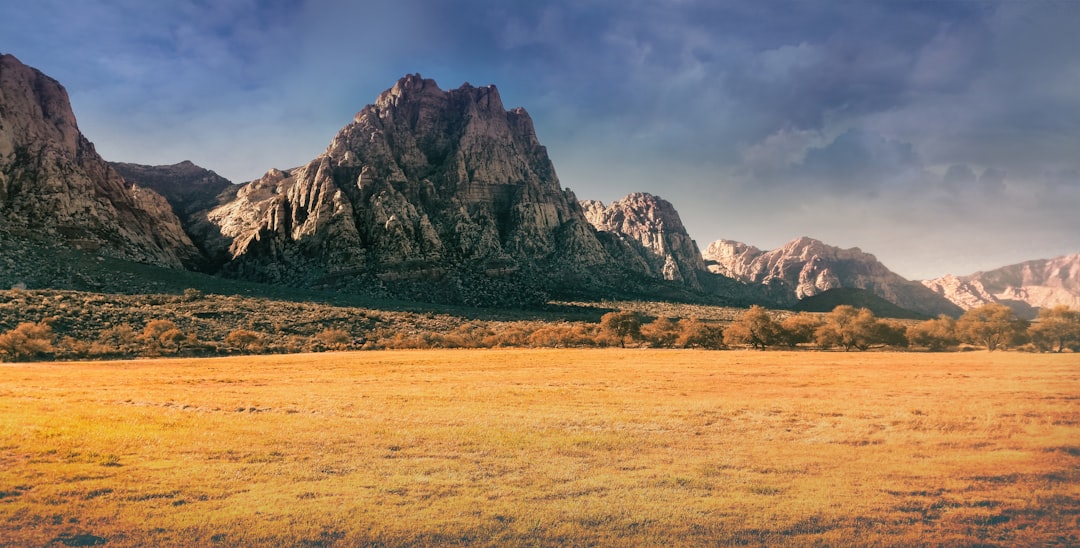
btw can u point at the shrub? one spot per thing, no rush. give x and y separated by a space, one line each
333 338
244 340
27 341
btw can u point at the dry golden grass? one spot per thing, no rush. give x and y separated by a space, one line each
544 447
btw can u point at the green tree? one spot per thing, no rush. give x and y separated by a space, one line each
935 335
991 325
621 326
1056 328
755 328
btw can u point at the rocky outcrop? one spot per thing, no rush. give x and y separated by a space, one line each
431 194
54 187
651 229
806 267
1025 287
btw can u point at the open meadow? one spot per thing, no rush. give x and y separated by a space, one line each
544 447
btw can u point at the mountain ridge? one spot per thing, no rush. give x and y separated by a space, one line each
1024 287
805 267
443 196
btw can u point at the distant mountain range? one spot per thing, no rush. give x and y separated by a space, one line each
433 195
1024 287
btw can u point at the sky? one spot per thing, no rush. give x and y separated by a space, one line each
943 136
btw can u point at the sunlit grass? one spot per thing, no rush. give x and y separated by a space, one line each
544 447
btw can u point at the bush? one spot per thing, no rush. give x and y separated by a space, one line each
244 340
334 339
27 341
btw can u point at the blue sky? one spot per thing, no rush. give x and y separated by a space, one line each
942 136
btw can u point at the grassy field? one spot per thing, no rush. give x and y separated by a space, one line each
544 447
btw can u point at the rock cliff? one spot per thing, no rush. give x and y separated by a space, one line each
430 194
55 189
651 229
1025 286
806 267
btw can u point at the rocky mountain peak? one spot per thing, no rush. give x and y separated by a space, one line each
441 195
651 227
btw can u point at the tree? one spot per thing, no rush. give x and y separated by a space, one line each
799 328
1056 328
991 325
694 333
936 335
661 333
890 333
755 328
621 326
27 340
849 327
160 335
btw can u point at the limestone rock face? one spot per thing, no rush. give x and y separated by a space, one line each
806 267
431 194
652 229
55 187
1025 287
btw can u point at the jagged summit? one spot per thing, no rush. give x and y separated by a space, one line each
427 193
651 227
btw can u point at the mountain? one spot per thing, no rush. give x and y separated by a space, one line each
55 190
1025 286
427 194
806 267
187 187
191 191
651 229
